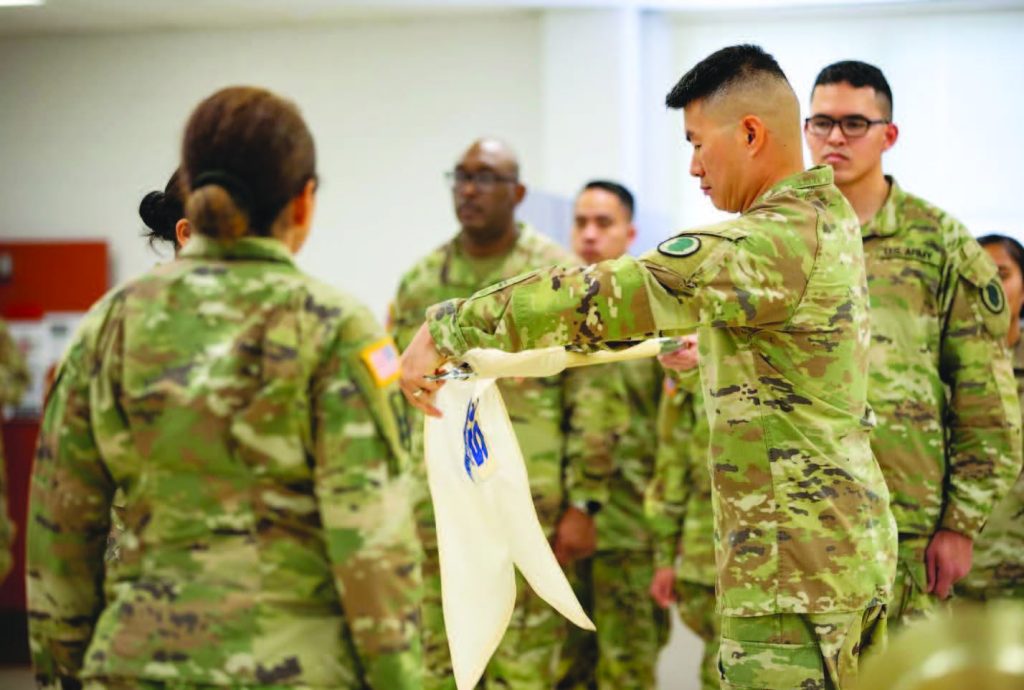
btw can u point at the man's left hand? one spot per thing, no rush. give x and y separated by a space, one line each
947 561
419 360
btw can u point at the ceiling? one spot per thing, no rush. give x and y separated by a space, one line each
79 16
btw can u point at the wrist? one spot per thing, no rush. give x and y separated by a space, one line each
588 506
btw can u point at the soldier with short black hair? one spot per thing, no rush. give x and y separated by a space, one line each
941 384
806 543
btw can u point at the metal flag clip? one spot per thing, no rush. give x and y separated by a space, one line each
460 373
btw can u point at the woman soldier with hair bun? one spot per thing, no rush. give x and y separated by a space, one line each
246 412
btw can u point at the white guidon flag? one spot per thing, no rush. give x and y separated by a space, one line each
484 513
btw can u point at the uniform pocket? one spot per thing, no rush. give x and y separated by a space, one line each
770 665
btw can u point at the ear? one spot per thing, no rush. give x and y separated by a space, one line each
520 192
182 232
754 134
892 133
303 204
631 234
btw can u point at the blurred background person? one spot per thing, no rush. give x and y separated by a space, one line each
612 584
998 570
243 409
565 438
13 381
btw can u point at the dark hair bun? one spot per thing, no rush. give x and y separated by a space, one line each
153 211
161 211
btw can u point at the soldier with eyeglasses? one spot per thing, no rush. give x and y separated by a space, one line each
941 383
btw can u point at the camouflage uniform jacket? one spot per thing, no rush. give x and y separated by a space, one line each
268 540
998 568
621 524
948 434
561 422
678 500
780 295
13 380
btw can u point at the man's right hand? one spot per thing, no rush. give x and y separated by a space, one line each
663 587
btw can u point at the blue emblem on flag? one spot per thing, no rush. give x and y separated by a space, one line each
476 452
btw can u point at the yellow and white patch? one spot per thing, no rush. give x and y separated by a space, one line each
381 358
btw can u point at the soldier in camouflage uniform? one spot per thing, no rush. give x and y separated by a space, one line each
678 505
613 583
246 411
13 380
998 570
558 420
806 544
948 434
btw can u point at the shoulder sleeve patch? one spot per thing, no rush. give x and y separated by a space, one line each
381 358
681 246
992 296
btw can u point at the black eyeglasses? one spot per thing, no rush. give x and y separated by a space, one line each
851 126
484 180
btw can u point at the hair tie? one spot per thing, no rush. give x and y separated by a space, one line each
237 189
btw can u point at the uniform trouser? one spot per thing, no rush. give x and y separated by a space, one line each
613 587
696 605
527 655
787 651
910 601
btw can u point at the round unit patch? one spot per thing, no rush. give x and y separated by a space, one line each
992 297
681 246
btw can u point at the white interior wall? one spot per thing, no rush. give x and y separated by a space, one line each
89 124
956 89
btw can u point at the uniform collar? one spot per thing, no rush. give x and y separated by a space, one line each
818 176
457 266
885 222
244 249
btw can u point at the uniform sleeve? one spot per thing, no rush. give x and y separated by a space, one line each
13 369
13 379
728 279
984 446
669 489
366 512
598 416
69 519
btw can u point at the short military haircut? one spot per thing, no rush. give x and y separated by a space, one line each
620 191
721 70
858 75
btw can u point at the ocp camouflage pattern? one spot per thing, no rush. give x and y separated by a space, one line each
566 435
780 296
998 568
267 537
14 379
941 386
